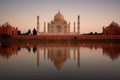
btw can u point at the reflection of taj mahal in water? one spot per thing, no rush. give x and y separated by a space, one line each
59 55
58 26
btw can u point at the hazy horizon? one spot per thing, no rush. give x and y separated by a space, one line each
94 14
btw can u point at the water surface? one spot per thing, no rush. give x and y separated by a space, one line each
59 61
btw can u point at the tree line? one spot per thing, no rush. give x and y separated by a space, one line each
29 32
92 33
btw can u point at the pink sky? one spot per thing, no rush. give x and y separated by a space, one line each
94 13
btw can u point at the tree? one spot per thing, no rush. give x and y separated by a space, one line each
34 31
96 33
28 32
19 32
91 33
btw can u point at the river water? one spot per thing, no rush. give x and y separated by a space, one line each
59 61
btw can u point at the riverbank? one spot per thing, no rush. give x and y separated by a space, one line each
62 38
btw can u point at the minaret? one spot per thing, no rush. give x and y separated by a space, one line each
78 55
74 54
44 54
48 29
44 27
78 24
69 28
38 58
38 25
74 27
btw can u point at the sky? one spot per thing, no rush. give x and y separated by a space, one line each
94 14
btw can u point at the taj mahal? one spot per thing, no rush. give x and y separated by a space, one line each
58 26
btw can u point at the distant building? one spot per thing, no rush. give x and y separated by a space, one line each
58 26
112 29
7 29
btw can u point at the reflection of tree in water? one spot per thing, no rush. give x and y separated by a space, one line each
19 48
28 48
34 49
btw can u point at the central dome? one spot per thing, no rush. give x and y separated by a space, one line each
59 17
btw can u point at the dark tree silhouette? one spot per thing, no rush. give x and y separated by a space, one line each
34 49
91 33
96 33
28 32
19 32
34 31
